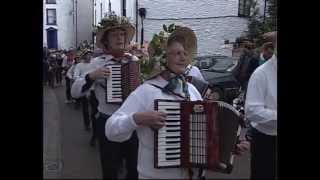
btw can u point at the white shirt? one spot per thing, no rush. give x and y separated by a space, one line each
261 98
70 72
121 125
81 69
76 88
194 72
64 61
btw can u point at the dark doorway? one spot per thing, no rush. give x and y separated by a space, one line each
52 38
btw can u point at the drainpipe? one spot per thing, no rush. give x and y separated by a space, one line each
76 23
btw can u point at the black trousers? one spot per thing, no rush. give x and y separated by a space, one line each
59 75
263 156
51 76
45 76
68 89
85 111
112 153
94 110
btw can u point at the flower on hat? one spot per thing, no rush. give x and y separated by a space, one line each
158 45
112 21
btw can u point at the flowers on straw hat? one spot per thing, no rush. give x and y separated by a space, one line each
112 21
158 45
84 52
78 54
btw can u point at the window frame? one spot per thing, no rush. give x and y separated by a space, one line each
47 2
47 10
244 8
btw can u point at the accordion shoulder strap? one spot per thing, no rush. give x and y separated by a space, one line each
176 94
159 87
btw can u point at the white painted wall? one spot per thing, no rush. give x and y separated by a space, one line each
211 32
64 23
85 20
97 8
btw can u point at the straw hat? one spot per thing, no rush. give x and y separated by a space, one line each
270 36
84 52
190 46
114 22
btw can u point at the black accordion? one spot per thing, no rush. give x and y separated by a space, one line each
197 134
123 79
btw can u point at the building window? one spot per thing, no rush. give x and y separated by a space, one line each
244 8
51 17
51 1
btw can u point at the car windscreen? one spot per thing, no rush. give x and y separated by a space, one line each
222 65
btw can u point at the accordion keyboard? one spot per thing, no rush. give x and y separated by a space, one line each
169 136
114 91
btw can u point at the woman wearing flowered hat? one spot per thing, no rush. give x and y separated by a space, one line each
138 114
113 37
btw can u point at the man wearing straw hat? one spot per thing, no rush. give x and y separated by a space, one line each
137 112
113 37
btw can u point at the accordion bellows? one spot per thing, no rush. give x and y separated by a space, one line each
197 134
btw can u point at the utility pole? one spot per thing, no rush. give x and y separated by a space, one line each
142 13
124 8
264 11
109 7
93 25
76 23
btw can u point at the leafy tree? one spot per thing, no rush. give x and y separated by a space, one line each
258 25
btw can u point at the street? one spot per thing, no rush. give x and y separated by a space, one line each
66 149
74 157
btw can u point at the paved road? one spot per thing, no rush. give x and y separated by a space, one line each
67 153
52 150
78 159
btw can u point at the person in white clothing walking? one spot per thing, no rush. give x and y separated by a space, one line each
261 111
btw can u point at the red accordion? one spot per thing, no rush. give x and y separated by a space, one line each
197 134
123 79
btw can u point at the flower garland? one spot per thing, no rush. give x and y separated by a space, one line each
157 51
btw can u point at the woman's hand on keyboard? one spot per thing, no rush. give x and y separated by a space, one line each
102 72
153 119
